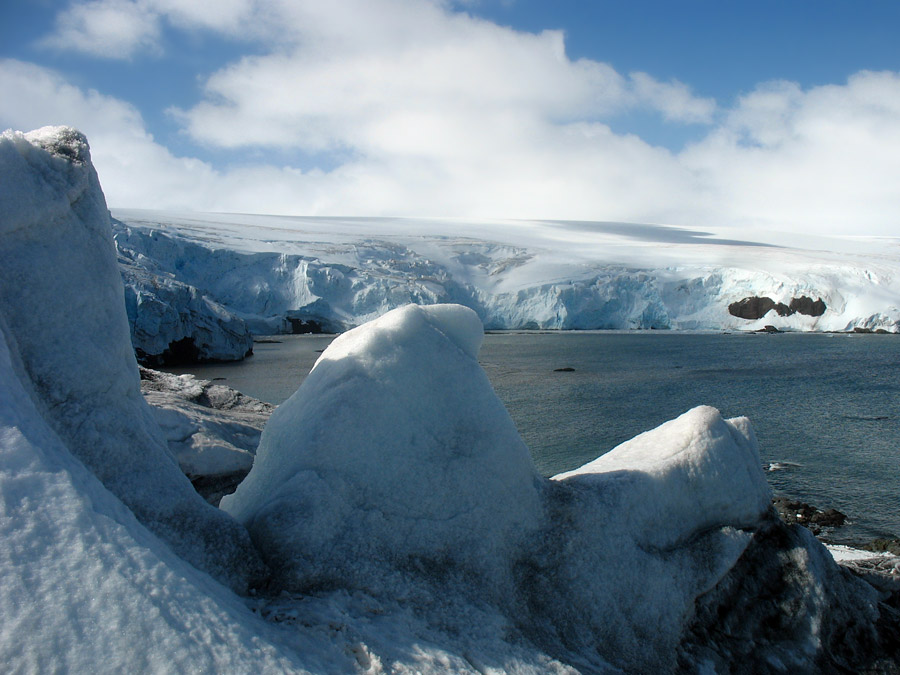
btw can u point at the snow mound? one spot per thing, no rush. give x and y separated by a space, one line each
62 302
639 534
394 449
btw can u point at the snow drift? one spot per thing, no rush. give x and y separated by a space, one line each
62 306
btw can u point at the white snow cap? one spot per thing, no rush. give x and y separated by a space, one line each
395 447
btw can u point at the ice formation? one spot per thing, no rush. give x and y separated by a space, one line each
62 304
405 525
396 449
212 430
174 322
395 453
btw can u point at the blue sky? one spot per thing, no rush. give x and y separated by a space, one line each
751 114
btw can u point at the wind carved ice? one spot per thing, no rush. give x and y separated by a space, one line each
394 448
62 307
395 453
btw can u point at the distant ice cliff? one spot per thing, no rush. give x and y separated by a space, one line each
307 275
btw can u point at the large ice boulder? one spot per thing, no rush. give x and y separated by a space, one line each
85 587
394 451
62 303
640 533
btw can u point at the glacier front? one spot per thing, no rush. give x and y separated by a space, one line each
283 274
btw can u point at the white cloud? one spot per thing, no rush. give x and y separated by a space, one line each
439 113
673 99
106 28
827 158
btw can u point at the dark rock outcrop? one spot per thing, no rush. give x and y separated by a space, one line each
795 512
806 305
756 307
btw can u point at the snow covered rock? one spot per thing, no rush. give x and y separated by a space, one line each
394 451
174 322
637 535
61 300
212 430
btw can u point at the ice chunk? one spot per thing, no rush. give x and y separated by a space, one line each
395 448
62 300
640 533
695 472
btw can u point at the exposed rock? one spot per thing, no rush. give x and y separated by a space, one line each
754 308
806 305
793 511
211 429
891 546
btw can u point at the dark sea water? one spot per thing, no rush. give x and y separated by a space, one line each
825 408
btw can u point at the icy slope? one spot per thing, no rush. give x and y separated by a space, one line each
334 273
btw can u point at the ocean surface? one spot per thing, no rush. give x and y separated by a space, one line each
825 407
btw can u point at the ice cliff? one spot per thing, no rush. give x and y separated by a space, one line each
404 525
329 274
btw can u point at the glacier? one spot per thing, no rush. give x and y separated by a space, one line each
283 274
402 523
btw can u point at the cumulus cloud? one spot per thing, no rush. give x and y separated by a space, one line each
106 28
429 111
827 158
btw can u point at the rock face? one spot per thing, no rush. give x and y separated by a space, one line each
172 322
754 307
793 511
62 307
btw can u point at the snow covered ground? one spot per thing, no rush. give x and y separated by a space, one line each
340 272
404 527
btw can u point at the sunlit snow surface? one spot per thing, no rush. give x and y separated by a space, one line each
516 274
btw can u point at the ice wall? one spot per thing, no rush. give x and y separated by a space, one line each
61 301
341 274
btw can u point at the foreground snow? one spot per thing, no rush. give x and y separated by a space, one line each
403 523
281 274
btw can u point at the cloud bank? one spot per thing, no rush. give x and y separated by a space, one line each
424 110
